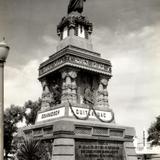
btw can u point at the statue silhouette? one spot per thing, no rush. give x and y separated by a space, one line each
75 5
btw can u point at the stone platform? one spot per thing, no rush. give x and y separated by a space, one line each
90 140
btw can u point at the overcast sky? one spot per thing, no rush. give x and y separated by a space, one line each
127 32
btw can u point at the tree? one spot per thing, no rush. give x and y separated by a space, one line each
12 116
154 132
32 149
34 107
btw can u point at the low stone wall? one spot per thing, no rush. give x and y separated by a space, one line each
149 157
155 157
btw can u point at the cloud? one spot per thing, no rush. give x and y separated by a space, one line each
49 40
134 89
143 42
123 14
24 23
21 84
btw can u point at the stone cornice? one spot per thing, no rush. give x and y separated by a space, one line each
77 49
76 59
78 52
128 132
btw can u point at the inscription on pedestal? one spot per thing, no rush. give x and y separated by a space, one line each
52 114
82 113
99 150
74 60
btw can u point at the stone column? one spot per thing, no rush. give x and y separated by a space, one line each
72 31
69 86
102 93
63 149
46 96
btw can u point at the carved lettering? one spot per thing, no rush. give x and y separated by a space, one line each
74 60
99 150
51 114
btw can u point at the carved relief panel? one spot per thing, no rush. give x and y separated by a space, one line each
69 85
87 86
92 88
51 91
75 86
102 92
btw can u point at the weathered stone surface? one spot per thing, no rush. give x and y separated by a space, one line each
97 149
64 141
63 148
64 157
130 151
68 131
75 41
75 57
63 126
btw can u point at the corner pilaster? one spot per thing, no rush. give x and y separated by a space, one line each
69 85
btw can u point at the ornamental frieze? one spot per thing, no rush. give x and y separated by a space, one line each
74 60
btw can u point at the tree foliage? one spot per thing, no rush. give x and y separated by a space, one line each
154 132
29 150
15 114
32 149
12 116
34 107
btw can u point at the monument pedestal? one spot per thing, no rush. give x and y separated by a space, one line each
86 140
77 140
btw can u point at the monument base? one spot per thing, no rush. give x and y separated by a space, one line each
86 140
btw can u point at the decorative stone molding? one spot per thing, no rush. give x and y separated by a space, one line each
69 86
72 22
75 61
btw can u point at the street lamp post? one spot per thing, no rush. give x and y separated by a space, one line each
4 50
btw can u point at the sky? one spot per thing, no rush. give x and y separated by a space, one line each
126 32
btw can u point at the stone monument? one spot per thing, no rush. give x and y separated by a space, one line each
76 119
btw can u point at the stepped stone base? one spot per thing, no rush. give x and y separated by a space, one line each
86 140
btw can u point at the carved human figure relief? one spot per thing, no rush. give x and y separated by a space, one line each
88 96
46 96
56 94
69 86
102 99
64 84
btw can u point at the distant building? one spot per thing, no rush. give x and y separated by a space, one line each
145 151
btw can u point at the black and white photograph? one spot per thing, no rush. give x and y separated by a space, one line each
80 79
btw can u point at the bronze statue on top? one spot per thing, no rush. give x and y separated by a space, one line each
75 5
